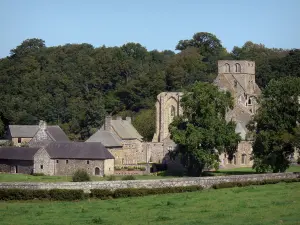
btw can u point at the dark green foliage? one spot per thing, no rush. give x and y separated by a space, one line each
68 195
202 129
298 160
54 194
146 129
81 176
276 131
128 177
101 193
248 183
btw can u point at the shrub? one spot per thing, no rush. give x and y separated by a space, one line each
81 176
27 194
111 178
129 177
38 174
101 193
64 194
298 160
130 168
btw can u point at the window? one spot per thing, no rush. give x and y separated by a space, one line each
19 140
244 157
42 167
172 111
88 162
234 160
249 101
227 68
235 83
57 161
67 161
237 68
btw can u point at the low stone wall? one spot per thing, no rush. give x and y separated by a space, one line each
206 182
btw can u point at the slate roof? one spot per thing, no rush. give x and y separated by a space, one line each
108 139
125 129
28 131
17 153
77 150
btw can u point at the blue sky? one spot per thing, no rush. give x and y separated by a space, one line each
156 24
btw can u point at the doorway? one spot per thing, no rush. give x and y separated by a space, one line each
97 171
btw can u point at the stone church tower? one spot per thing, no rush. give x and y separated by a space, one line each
235 76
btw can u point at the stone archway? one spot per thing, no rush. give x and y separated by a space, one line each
97 171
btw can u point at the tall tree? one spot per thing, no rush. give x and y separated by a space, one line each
202 132
275 125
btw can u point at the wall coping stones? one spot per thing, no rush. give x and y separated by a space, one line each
206 182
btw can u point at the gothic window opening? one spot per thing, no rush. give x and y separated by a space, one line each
237 68
249 101
227 68
234 160
172 111
244 156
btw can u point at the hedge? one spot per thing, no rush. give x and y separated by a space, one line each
248 183
53 194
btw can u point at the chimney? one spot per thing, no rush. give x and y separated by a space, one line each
119 118
42 125
107 123
128 118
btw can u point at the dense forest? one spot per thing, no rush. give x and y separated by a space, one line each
76 85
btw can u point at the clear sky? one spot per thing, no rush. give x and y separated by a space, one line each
156 24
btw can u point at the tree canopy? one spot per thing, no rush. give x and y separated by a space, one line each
202 132
76 85
276 125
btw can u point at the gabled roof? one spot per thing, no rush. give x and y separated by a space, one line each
108 139
125 130
77 150
28 131
17 153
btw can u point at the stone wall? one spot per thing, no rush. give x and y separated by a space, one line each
69 166
43 163
23 140
16 166
206 182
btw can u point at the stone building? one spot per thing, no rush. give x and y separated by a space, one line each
17 160
237 77
122 140
58 158
64 158
20 134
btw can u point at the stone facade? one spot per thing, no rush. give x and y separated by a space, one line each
237 77
44 164
16 166
20 140
41 138
205 182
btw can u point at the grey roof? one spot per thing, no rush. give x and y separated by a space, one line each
17 153
125 129
108 139
28 131
77 150
57 133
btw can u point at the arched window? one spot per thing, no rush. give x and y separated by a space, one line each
237 68
227 68
249 101
172 111
244 157
234 160
97 171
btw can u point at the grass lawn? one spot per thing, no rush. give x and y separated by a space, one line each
265 205
245 170
6 177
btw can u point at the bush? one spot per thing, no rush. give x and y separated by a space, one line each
101 193
38 174
298 160
81 176
64 194
248 183
54 194
129 177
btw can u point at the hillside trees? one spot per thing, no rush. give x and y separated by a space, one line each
75 84
276 125
202 132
